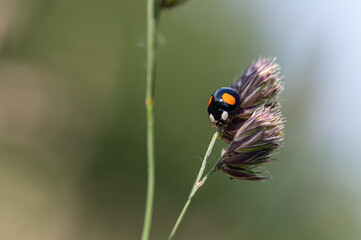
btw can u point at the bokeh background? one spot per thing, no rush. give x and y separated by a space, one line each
72 119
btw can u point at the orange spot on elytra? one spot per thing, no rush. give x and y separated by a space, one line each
209 101
228 98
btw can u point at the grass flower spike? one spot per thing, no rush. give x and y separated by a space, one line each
258 85
255 130
253 143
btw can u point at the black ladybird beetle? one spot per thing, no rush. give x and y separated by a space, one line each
222 104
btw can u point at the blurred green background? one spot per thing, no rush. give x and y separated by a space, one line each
72 119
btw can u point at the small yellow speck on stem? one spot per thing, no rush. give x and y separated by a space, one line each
149 101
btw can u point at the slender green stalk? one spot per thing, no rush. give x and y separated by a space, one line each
213 169
197 184
152 19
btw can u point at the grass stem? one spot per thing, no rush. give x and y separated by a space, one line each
197 184
152 22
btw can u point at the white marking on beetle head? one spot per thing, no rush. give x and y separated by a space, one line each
212 118
224 115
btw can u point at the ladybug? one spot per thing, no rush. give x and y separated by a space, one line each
222 104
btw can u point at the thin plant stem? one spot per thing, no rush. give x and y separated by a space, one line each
213 169
152 22
197 184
